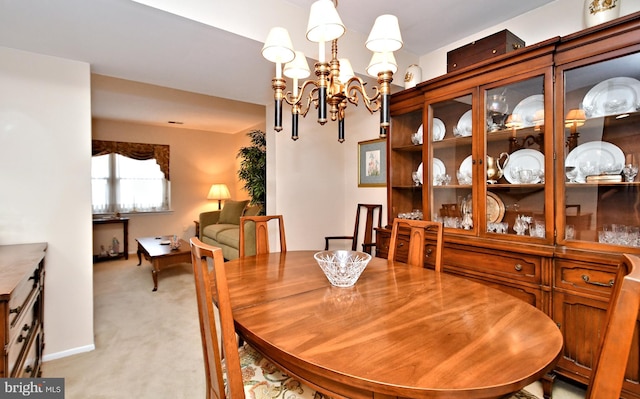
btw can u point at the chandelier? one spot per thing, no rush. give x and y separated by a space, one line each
335 84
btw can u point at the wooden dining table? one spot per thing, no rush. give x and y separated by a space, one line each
399 332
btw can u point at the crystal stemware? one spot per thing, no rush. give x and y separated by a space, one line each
416 178
571 172
630 171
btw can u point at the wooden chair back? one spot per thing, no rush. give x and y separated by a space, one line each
417 234
262 233
608 372
210 285
373 218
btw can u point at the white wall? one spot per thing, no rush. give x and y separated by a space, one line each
45 164
313 181
559 18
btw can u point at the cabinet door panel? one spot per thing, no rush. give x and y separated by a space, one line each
601 113
581 321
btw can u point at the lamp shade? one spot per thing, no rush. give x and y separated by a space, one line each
385 35
514 121
298 68
218 192
382 62
575 118
324 22
346 70
278 46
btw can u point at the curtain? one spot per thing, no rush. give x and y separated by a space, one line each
139 151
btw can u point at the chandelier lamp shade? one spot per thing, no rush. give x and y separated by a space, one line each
335 84
219 191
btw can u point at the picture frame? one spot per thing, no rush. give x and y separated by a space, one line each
372 163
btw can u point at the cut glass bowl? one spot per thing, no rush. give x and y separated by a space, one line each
342 267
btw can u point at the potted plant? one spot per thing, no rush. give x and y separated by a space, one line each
253 168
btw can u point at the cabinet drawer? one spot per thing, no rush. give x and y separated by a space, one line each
30 367
402 251
19 344
584 277
510 266
24 293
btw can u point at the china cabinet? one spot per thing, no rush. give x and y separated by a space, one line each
530 161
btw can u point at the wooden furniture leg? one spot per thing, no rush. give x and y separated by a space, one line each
547 385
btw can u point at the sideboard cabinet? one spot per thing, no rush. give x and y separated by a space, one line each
530 161
22 308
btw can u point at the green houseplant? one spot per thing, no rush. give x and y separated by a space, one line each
253 168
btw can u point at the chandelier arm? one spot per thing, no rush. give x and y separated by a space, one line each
304 109
291 100
356 85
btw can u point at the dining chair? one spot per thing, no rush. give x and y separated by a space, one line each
417 234
261 233
608 371
373 214
232 372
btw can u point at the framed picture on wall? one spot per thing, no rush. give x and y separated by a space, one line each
372 163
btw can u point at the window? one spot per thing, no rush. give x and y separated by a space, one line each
134 183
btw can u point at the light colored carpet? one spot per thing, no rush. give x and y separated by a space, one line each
148 343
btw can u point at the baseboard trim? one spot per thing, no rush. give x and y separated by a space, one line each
67 353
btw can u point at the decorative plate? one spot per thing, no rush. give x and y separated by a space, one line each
525 158
420 173
495 208
466 165
438 169
606 155
528 108
611 97
463 128
438 129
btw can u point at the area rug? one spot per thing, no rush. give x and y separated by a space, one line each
523 394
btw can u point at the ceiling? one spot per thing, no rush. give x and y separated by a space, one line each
203 76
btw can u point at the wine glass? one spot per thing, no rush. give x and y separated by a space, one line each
571 172
630 171
416 178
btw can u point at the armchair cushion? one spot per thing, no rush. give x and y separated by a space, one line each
232 211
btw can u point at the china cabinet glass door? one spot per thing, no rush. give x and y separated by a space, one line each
451 170
601 118
514 160
406 174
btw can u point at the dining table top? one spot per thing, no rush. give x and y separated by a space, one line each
400 331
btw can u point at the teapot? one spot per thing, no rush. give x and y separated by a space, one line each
494 168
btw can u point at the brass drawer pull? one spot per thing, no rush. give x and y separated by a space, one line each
26 328
586 280
518 267
15 310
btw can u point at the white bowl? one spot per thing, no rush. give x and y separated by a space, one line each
342 267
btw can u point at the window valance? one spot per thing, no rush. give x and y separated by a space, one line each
139 151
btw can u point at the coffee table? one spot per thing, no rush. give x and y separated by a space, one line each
161 255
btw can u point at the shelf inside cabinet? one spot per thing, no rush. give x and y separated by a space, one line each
601 184
408 148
